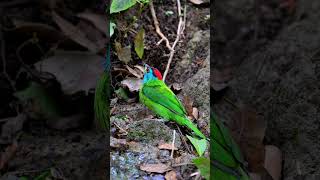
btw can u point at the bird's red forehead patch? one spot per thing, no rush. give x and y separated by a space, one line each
157 73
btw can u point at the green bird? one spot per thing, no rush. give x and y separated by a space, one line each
102 96
155 94
227 162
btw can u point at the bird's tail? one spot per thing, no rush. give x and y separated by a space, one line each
102 96
187 122
101 102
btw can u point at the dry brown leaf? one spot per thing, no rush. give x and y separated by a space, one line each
123 53
137 74
76 71
196 1
155 168
75 33
133 84
195 113
188 103
248 129
99 21
93 34
116 143
171 175
273 161
141 68
43 31
166 146
8 154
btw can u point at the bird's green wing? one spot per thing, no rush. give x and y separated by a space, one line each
102 102
223 137
102 96
226 156
159 93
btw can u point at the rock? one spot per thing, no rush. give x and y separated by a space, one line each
279 81
198 89
152 132
197 49
123 165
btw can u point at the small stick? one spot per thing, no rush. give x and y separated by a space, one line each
156 24
180 29
174 138
182 164
184 142
126 132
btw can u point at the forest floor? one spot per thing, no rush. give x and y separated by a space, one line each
46 106
269 54
137 135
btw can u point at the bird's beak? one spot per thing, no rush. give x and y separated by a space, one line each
146 66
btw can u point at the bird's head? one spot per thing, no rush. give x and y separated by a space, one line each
151 73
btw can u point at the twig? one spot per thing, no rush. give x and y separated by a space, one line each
156 24
126 132
174 138
182 164
184 141
180 29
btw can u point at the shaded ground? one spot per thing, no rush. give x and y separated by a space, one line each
279 77
53 130
136 132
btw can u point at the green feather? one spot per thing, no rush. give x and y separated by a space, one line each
226 156
102 102
161 100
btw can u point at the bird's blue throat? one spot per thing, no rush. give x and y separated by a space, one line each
149 76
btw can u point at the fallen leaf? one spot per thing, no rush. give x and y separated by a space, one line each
8 154
141 68
196 1
123 53
248 129
155 168
188 103
171 175
195 113
94 35
99 21
75 70
117 143
199 144
75 33
137 74
139 43
133 84
43 31
12 126
166 146
273 161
